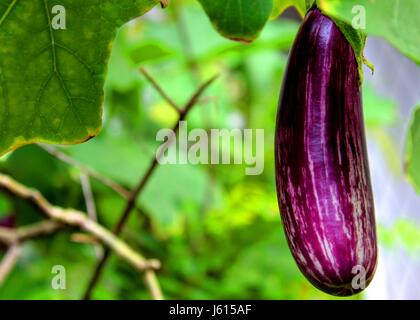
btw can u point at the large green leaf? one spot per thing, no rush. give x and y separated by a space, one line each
240 20
51 80
396 21
413 151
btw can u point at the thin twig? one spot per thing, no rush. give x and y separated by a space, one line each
186 43
153 284
74 218
195 71
9 261
87 193
159 89
44 228
89 171
164 3
140 186
90 206
117 188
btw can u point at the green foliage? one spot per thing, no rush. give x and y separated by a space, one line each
206 224
62 101
392 20
412 165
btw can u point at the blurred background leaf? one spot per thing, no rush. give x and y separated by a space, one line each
404 233
413 151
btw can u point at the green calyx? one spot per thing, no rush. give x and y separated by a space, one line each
355 37
357 40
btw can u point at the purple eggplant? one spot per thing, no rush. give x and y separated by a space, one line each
322 171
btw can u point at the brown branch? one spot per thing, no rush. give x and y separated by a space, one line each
9 261
11 236
117 188
195 72
153 284
73 218
140 186
164 3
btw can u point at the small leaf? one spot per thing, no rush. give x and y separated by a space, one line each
148 52
240 20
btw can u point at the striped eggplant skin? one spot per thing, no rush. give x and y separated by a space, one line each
322 171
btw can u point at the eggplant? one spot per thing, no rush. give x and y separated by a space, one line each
322 170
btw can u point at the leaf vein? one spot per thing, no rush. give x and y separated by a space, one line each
8 10
55 67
